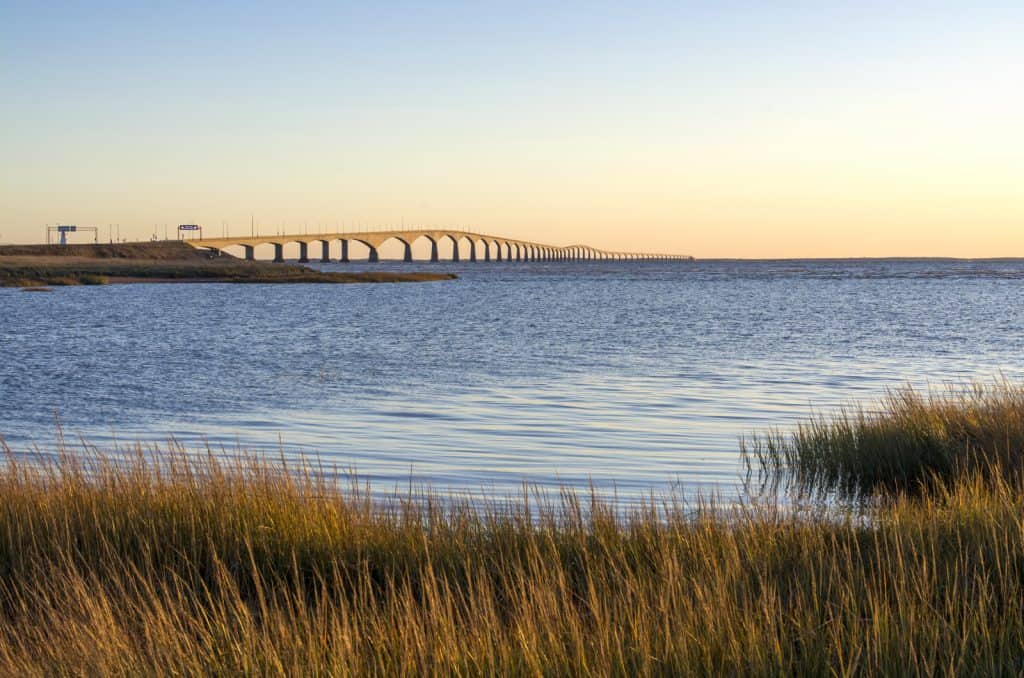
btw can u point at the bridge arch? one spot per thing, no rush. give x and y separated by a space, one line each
483 253
395 247
454 240
372 255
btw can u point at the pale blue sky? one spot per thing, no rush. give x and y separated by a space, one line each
717 129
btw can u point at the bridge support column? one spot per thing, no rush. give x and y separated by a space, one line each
250 252
498 251
374 257
472 250
433 251
278 253
408 252
325 248
455 250
487 252
344 252
303 253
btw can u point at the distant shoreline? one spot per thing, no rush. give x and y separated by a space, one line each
35 266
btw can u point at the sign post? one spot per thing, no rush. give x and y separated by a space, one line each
64 230
185 228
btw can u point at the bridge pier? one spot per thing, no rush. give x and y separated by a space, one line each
487 251
374 257
325 248
472 250
407 256
455 250
278 253
250 252
497 247
433 251
344 252
303 253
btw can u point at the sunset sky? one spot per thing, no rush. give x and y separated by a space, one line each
731 129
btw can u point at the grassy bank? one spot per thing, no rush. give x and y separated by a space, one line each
41 265
249 567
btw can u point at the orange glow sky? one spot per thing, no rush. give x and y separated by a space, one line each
738 131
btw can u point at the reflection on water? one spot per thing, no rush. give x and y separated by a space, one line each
635 377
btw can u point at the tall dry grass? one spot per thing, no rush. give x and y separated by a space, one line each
200 565
913 440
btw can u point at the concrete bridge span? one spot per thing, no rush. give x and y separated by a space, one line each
481 247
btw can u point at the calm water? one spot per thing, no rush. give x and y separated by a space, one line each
634 376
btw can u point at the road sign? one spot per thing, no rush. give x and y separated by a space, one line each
64 229
188 227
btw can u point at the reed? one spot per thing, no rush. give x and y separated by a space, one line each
912 440
159 561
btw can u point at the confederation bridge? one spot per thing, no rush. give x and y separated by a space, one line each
481 247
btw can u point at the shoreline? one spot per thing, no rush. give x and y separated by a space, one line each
173 262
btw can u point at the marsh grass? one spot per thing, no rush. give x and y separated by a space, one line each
911 441
158 561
